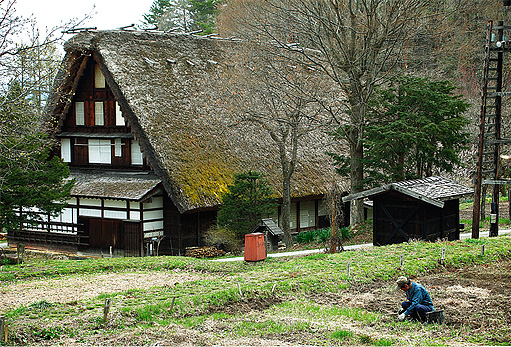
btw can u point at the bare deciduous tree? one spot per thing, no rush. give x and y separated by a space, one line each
288 100
356 43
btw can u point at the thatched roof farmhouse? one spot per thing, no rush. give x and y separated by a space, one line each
175 93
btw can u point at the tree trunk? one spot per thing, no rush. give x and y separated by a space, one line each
356 165
286 212
287 165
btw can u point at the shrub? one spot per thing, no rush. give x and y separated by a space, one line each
306 236
345 233
322 235
223 238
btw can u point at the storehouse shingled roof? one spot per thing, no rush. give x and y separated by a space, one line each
174 90
433 190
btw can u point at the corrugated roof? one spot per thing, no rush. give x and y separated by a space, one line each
113 185
176 92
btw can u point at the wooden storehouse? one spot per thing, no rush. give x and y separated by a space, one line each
272 233
426 209
144 120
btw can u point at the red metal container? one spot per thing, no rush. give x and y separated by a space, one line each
255 249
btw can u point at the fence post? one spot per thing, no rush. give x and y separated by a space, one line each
482 250
106 309
3 330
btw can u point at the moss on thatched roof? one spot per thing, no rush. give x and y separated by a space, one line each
175 91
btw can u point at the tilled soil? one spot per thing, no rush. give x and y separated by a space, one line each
476 300
477 297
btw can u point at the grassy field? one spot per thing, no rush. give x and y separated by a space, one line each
322 299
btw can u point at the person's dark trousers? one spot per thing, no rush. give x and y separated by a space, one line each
419 313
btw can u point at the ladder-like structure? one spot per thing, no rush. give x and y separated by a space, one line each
490 140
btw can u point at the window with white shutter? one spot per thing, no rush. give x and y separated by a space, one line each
99 115
136 154
100 151
99 78
65 150
80 112
118 147
119 119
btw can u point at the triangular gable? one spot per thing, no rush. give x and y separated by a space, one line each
175 92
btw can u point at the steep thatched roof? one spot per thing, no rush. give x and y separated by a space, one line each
176 93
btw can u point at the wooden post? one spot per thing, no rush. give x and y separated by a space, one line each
401 262
333 244
106 310
3 329
20 250
482 250
509 203
348 270
172 304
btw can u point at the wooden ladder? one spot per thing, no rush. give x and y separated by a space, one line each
490 140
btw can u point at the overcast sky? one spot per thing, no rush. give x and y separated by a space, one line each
108 14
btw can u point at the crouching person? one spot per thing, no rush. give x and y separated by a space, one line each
418 300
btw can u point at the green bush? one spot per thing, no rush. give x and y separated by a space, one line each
345 233
306 236
322 235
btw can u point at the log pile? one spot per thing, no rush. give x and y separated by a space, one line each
203 252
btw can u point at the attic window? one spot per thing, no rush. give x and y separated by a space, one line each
99 114
80 112
65 150
99 78
137 157
119 119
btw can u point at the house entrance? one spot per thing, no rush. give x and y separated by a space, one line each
125 237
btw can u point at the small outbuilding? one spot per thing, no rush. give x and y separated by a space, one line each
272 233
426 209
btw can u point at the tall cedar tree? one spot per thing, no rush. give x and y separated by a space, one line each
248 200
188 15
415 129
29 178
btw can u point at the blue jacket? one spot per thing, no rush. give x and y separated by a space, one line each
418 295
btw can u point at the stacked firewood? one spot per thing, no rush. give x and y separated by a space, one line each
203 252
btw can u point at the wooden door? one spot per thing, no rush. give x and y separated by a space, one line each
104 233
132 238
